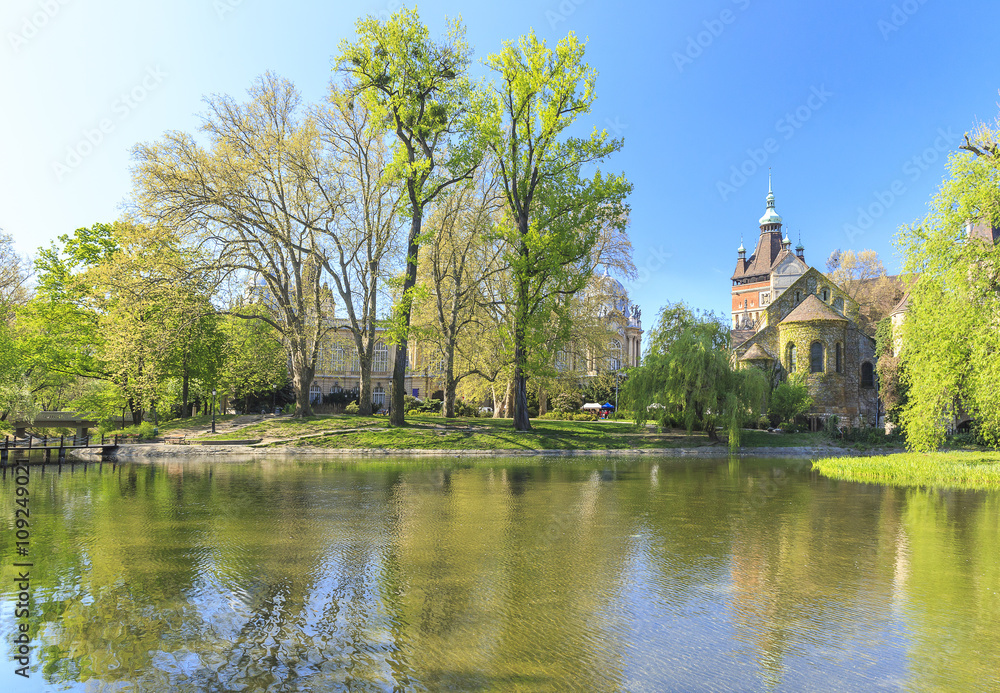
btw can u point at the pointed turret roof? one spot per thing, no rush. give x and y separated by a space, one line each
770 215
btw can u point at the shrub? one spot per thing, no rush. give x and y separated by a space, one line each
790 399
463 408
411 403
567 402
352 409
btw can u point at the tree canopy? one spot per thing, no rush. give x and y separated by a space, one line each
687 376
950 358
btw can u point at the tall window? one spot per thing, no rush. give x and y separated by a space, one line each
816 357
840 358
338 358
353 363
380 361
562 361
378 396
791 354
798 297
615 356
867 375
825 295
315 393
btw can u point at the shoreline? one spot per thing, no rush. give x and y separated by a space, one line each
154 451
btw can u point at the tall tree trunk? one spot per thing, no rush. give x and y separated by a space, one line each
497 405
521 422
406 303
302 378
365 391
185 386
508 400
449 382
542 404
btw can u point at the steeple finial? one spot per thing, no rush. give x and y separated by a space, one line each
741 250
770 215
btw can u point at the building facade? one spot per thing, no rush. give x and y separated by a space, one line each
790 319
338 368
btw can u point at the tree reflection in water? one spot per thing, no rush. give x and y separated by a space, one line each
597 575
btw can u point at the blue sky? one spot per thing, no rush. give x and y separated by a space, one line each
854 105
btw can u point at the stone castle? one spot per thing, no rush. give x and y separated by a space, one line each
790 319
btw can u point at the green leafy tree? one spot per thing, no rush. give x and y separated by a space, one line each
788 400
888 364
254 360
363 247
15 391
420 89
456 264
950 356
259 197
116 303
555 211
693 380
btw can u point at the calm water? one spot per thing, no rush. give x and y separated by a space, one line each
594 575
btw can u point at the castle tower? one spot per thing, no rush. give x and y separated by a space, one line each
760 279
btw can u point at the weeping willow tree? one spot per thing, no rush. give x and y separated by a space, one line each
950 340
688 377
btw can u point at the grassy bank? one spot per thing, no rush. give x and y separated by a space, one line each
953 469
433 432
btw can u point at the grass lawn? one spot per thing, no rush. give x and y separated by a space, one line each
434 432
197 422
952 469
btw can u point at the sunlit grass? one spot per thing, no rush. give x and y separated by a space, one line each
434 432
958 470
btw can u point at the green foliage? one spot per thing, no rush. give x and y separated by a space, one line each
557 201
463 408
790 399
883 338
566 402
352 409
693 379
950 359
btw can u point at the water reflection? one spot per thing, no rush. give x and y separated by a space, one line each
618 575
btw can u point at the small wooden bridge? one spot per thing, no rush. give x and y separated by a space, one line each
21 448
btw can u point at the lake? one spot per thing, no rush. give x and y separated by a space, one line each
592 574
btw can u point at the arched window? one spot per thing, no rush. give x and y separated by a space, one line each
840 357
867 375
315 393
816 357
378 396
338 358
825 295
798 297
791 354
380 361
615 355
